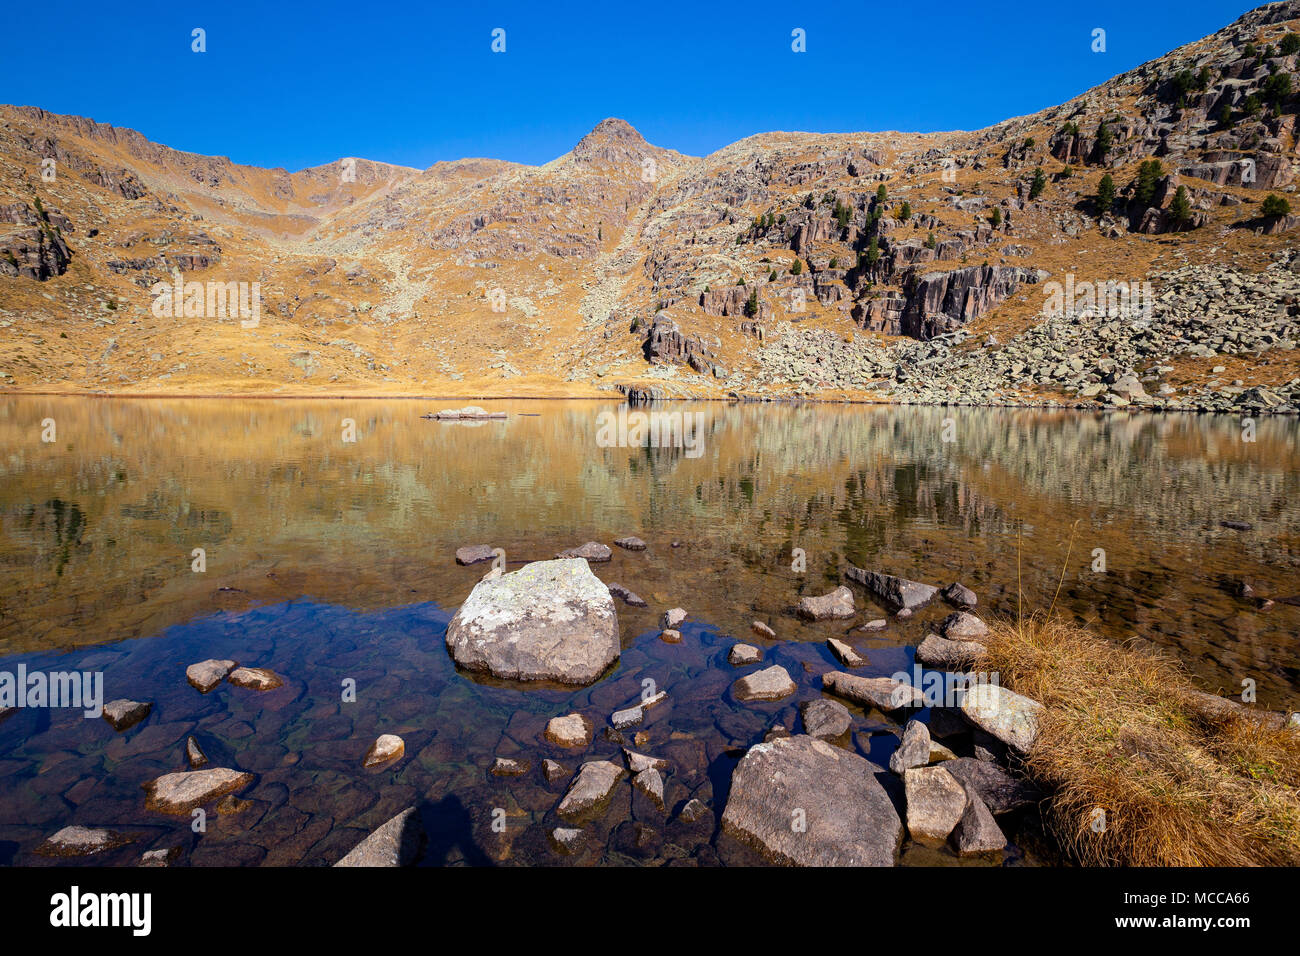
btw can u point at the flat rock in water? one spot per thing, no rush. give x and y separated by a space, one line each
771 683
385 749
552 770
836 605
826 719
958 595
847 655
566 840
160 857
631 716
940 652
884 693
194 754
742 654
1006 715
895 591
762 630
255 678
396 843
183 791
914 750
651 783
631 543
81 841
935 804
673 618
505 767
879 624
963 626
669 636
628 597
591 551
206 675
977 831
590 789
637 762
802 801
550 620
125 714
475 554
571 730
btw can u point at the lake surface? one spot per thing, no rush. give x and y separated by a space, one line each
329 560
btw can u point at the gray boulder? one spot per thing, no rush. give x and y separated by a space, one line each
550 620
837 605
895 591
396 843
801 801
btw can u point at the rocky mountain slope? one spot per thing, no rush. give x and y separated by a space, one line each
1131 246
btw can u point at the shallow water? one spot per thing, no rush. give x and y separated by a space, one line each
328 560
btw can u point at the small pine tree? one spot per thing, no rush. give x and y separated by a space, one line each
1038 184
1105 140
996 217
906 212
742 281
881 193
1224 116
1252 105
771 276
796 267
1275 205
930 242
1030 142
751 304
834 263
1144 193
1180 210
1105 194
872 255
1067 172
1290 44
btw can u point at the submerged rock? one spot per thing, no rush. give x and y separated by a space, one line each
505 767
762 630
943 654
590 790
571 730
125 714
255 678
935 804
161 857
206 675
651 783
183 791
826 719
82 841
802 801
898 592
566 840
771 683
631 543
958 595
631 716
475 554
836 605
396 843
847 655
637 762
884 693
550 620
552 770
630 598
669 636
1008 716
591 551
385 749
742 654
194 754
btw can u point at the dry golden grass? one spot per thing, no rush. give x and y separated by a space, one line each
1121 732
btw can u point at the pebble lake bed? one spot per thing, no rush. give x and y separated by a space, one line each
494 641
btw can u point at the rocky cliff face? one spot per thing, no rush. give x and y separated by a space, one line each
625 264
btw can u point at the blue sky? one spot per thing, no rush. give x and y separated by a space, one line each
300 85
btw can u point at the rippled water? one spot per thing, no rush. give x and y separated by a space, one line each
329 560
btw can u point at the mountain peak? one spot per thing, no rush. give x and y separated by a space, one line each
613 140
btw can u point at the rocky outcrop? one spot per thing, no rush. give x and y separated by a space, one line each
939 302
802 801
548 621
